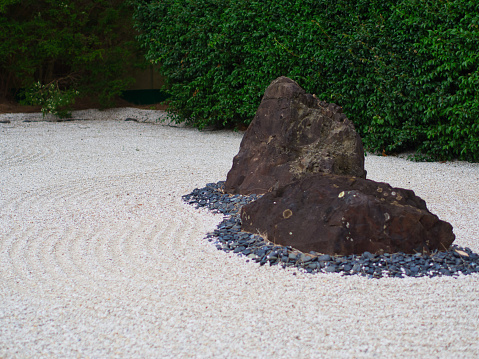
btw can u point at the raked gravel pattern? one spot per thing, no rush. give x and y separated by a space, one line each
101 258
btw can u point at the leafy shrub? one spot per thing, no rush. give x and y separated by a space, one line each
51 98
406 73
83 48
217 55
447 76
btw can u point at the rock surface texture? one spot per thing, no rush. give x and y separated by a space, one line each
294 135
341 215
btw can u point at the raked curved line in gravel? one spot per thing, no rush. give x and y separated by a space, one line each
99 257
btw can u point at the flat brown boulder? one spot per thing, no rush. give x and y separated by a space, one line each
340 215
294 135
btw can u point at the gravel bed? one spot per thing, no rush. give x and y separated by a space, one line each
229 238
118 114
100 257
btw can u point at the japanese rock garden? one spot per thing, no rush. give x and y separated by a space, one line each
297 195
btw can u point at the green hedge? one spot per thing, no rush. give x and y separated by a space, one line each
60 49
406 73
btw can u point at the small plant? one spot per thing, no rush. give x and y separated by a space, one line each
52 99
50 47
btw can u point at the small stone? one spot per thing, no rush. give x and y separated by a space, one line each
444 271
356 267
461 253
293 256
367 255
330 269
414 269
306 258
247 251
325 258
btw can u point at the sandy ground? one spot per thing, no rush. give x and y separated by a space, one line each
99 257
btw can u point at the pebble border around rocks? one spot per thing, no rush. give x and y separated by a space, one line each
229 238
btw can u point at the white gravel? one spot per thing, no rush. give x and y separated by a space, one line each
99 257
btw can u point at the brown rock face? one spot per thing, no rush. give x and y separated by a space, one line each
340 215
294 135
